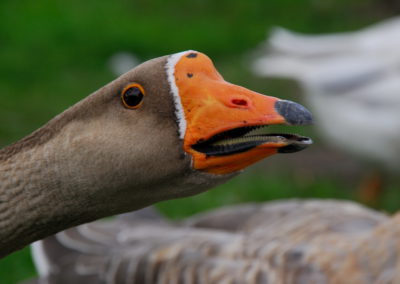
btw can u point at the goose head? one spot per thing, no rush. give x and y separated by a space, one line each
170 127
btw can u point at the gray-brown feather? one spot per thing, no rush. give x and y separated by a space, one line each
279 242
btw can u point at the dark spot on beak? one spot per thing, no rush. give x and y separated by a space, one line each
190 75
192 55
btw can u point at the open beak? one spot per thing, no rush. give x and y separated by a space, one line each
227 125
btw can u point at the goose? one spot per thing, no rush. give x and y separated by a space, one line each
356 74
171 127
288 241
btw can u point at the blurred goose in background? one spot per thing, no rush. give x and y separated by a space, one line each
169 128
351 81
294 241
122 61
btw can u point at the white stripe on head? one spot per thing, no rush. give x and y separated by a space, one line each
179 112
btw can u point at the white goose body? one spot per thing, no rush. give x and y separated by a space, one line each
352 83
169 128
281 242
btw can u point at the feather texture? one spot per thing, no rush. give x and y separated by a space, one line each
293 241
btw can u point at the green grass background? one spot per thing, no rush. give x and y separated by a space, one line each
53 53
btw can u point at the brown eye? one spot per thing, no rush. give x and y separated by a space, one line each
132 96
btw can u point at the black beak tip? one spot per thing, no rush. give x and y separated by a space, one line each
299 145
294 113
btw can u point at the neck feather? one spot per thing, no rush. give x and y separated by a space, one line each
38 195
33 202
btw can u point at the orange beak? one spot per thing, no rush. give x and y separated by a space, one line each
221 117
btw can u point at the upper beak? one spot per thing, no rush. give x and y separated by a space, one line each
219 106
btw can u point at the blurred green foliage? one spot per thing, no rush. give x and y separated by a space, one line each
53 53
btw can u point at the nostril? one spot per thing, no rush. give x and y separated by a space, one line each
239 102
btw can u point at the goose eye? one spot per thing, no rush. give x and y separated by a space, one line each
132 96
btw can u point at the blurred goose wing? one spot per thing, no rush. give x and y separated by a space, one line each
380 36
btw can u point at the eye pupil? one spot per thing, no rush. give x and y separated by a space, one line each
132 96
